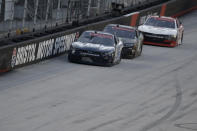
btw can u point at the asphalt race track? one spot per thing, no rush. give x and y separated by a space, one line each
155 92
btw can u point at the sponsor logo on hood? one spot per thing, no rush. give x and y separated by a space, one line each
91 46
157 30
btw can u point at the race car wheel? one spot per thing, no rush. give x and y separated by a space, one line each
139 50
71 58
182 39
118 62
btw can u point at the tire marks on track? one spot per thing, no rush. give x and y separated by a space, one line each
178 100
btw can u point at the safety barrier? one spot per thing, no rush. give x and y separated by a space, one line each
19 54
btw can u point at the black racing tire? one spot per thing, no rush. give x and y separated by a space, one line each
141 48
139 53
182 38
70 58
73 59
118 62
111 63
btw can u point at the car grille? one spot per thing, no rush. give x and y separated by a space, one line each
126 51
96 57
88 53
155 38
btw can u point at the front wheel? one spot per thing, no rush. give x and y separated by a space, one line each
139 50
120 58
180 41
72 58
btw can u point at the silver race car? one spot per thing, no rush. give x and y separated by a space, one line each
95 47
162 31
131 38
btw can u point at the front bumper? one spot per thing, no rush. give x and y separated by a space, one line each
89 57
158 40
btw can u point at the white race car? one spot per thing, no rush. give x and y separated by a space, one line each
162 31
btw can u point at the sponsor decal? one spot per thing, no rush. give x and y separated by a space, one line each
45 49
63 43
144 18
23 55
155 36
55 46
13 61
41 50
89 54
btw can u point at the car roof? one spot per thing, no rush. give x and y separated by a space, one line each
123 26
165 17
100 32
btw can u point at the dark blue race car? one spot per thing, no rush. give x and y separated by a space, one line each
95 47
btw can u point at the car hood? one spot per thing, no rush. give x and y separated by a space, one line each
157 30
127 41
92 47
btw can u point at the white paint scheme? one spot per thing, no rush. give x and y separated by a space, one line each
157 30
176 32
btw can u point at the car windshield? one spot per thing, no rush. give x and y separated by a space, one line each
121 32
96 38
160 22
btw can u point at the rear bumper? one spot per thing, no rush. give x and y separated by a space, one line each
170 44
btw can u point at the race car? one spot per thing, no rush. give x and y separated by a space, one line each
131 38
162 31
96 47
